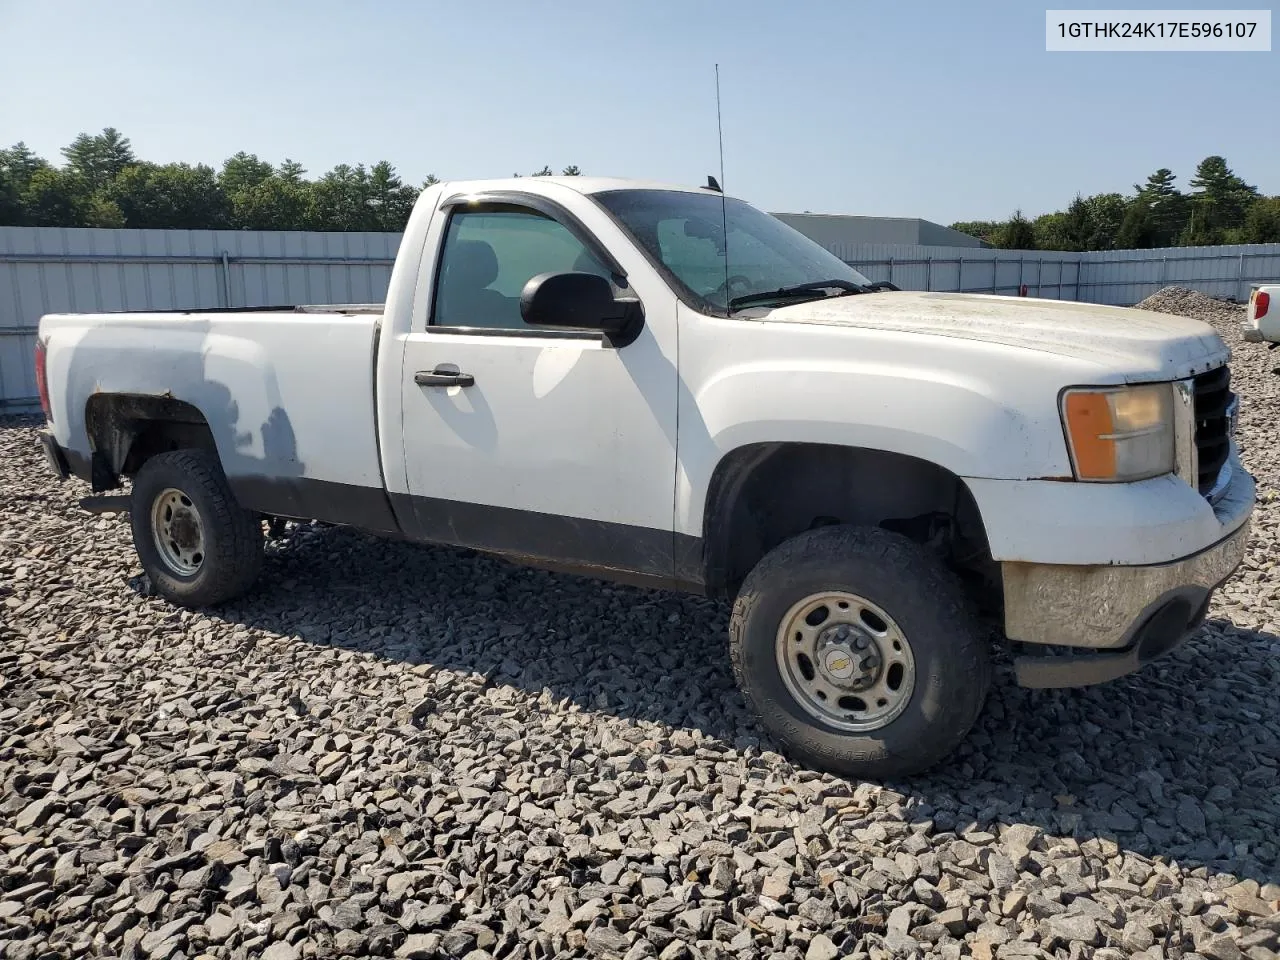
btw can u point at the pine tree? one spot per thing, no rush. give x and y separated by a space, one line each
1167 207
99 159
1221 201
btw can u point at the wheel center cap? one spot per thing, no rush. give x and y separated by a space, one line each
183 529
847 657
839 664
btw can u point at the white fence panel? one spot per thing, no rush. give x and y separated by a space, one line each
966 269
1126 276
1120 277
54 269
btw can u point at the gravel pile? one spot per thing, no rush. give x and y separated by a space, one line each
399 751
1192 303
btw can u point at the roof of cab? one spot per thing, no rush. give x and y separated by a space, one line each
601 184
585 185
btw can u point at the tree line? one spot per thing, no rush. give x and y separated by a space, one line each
102 183
1220 208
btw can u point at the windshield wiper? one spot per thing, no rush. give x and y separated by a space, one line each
800 289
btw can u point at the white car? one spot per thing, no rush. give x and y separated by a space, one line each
595 375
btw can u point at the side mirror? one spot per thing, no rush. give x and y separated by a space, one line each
578 301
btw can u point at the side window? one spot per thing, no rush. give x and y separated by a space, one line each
488 257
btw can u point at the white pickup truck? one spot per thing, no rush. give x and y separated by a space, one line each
1262 314
665 386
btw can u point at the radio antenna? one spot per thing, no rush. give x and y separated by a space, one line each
724 216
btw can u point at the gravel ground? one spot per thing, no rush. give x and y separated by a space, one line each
399 751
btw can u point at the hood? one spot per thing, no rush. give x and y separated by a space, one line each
1134 345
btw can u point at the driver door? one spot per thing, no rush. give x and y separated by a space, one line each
547 445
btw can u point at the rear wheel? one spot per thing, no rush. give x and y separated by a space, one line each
855 650
196 544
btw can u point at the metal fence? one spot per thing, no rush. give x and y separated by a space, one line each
1124 277
50 269
1118 277
1045 273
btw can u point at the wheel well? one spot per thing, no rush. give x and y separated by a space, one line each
764 494
126 430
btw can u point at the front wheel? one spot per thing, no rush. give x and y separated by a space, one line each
855 650
196 544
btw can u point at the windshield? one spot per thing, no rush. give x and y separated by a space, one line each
683 233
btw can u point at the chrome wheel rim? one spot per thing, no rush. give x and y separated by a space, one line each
178 532
845 661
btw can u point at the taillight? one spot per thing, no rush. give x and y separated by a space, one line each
42 379
1261 302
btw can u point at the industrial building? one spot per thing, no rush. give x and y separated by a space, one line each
834 230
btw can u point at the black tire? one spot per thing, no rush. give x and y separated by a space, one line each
952 656
232 537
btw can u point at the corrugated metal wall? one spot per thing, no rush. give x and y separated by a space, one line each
1126 276
49 269
967 269
1120 277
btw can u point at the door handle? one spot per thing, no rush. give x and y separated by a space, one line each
443 378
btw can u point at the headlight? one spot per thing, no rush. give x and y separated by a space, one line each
1120 434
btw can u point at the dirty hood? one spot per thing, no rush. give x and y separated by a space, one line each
1136 344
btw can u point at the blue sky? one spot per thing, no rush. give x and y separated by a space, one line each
946 110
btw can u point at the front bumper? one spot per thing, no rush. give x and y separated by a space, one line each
1123 615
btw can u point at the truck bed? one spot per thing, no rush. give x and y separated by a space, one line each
288 393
